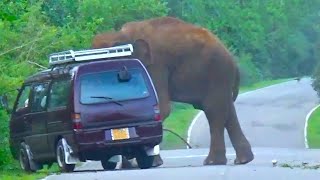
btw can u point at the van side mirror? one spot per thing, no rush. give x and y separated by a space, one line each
124 75
4 103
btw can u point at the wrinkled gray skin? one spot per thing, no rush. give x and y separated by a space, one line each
189 64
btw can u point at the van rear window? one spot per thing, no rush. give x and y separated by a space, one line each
104 86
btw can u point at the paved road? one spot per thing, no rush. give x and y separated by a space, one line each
278 111
270 117
187 165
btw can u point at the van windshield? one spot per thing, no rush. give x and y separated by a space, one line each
105 87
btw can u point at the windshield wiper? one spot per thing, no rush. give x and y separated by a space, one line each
108 98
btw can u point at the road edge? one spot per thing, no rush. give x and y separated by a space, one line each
306 144
192 124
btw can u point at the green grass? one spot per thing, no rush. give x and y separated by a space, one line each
313 131
15 173
178 121
262 84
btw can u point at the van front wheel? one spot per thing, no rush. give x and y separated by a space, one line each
61 158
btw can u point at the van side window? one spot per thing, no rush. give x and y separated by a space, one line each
39 97
59 94
23 102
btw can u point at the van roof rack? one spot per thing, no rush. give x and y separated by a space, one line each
91 54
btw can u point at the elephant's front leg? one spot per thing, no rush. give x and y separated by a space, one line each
160 78
238 140
216 110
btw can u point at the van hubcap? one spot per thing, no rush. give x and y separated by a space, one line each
22 159
60 156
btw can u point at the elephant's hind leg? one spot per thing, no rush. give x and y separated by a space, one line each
238 140
216 109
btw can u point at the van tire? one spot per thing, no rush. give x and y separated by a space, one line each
144 161
24 158
61 159
107 165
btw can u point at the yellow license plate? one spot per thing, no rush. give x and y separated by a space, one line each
120 134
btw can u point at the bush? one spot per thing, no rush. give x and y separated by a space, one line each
248 71
316 80
5 156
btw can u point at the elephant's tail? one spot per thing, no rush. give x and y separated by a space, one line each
236 85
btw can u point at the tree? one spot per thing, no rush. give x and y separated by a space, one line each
31 30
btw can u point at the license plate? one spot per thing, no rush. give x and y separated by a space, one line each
120 134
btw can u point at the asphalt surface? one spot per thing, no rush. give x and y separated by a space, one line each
187 165
273 120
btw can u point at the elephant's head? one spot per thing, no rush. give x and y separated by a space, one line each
141 49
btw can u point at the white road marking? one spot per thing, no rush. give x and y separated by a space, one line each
191 126
306 126
192 156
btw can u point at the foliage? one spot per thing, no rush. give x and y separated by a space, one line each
4 150
280 37
30 30
248 71
316 79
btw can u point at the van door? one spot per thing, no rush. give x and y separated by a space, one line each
18 125
59 116
37 120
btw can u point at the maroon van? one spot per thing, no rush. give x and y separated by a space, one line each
90 105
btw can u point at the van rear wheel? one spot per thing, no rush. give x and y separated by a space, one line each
144 161
60 155
107 165
24 159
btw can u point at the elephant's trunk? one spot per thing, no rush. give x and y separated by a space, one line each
236 85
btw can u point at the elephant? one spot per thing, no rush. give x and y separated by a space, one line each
189 64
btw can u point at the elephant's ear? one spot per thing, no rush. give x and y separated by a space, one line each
141 50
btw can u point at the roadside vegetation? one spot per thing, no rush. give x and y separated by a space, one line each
262 84
179 122
14 173
313 131
316 79
270 40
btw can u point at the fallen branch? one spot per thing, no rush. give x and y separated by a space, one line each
34 63
178 137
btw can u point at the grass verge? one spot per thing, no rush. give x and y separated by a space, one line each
313 130
178 121
15 173
262 84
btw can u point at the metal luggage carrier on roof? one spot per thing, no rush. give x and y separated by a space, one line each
91 54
